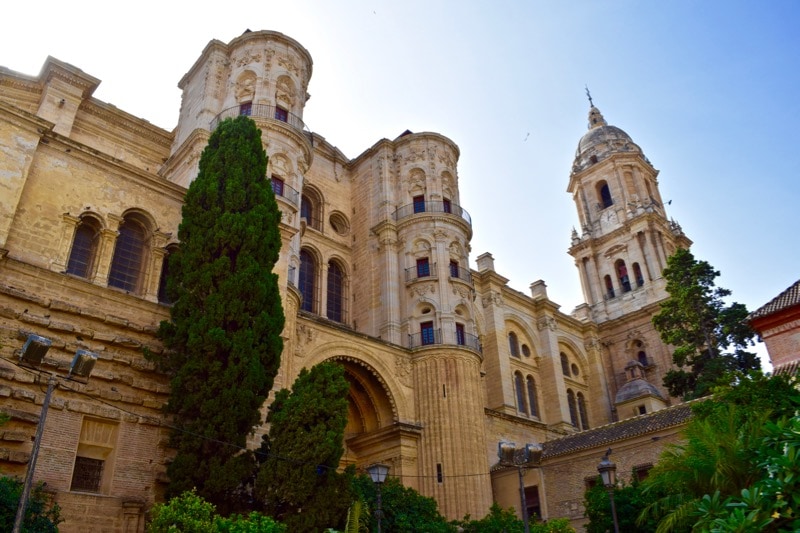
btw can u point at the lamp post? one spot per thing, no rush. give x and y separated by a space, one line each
608 473
32 354
530 456
378 472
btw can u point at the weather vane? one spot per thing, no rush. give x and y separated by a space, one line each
589 95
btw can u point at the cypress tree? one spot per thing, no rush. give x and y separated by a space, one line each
298 482
223 342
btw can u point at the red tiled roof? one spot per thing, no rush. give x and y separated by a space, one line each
603 435
788 298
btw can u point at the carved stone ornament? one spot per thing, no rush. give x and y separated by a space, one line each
248 57
415 155
446 159
245 89
492 298
546 322
402 370
305 335
289 65
592 345
461 291
423 289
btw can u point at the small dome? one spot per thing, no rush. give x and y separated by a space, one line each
600 141
637 386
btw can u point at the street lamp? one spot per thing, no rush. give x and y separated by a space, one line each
378 472
32 354
530 456
608 473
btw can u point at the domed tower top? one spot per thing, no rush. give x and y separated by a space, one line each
601 141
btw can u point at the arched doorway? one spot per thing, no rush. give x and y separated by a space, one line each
374 431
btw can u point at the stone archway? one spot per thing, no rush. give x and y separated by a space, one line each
374 432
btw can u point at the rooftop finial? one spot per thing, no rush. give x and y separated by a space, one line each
589 96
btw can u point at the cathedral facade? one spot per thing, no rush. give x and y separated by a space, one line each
444 359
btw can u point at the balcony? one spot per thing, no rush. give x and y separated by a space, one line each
265 111
282 190
433 337
470 341
429 206
428 337
458 272
427 271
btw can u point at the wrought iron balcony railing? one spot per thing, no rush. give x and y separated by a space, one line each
264 111
426 271
470 341
284 191
461 273
430 206
428 337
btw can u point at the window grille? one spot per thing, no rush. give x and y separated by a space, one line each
126 266
87 474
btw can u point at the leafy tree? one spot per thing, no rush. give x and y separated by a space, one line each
298 481
189 513
629 501
734 465
498 520
696 322
403 509
223 340
40 516
501 520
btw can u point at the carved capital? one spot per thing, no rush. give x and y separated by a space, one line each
546 322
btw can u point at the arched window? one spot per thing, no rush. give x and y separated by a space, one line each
129 256
310 209
642 358
84 248
564 364
604 195
513 344
622 274
519 385
582 411
573 409
335 292
637 274
532 399
609 287
307 281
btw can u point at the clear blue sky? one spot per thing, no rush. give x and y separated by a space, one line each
707 89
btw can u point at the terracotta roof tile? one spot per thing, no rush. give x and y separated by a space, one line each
787 298
600 436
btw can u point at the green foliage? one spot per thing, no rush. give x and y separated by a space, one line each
737 469
498 520
223 340
404 510
629 501
40 516
189 513
556 525
501 520
298 480
696 322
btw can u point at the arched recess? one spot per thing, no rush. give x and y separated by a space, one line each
373 430
525 337
575 358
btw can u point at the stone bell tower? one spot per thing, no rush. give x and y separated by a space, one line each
622 247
